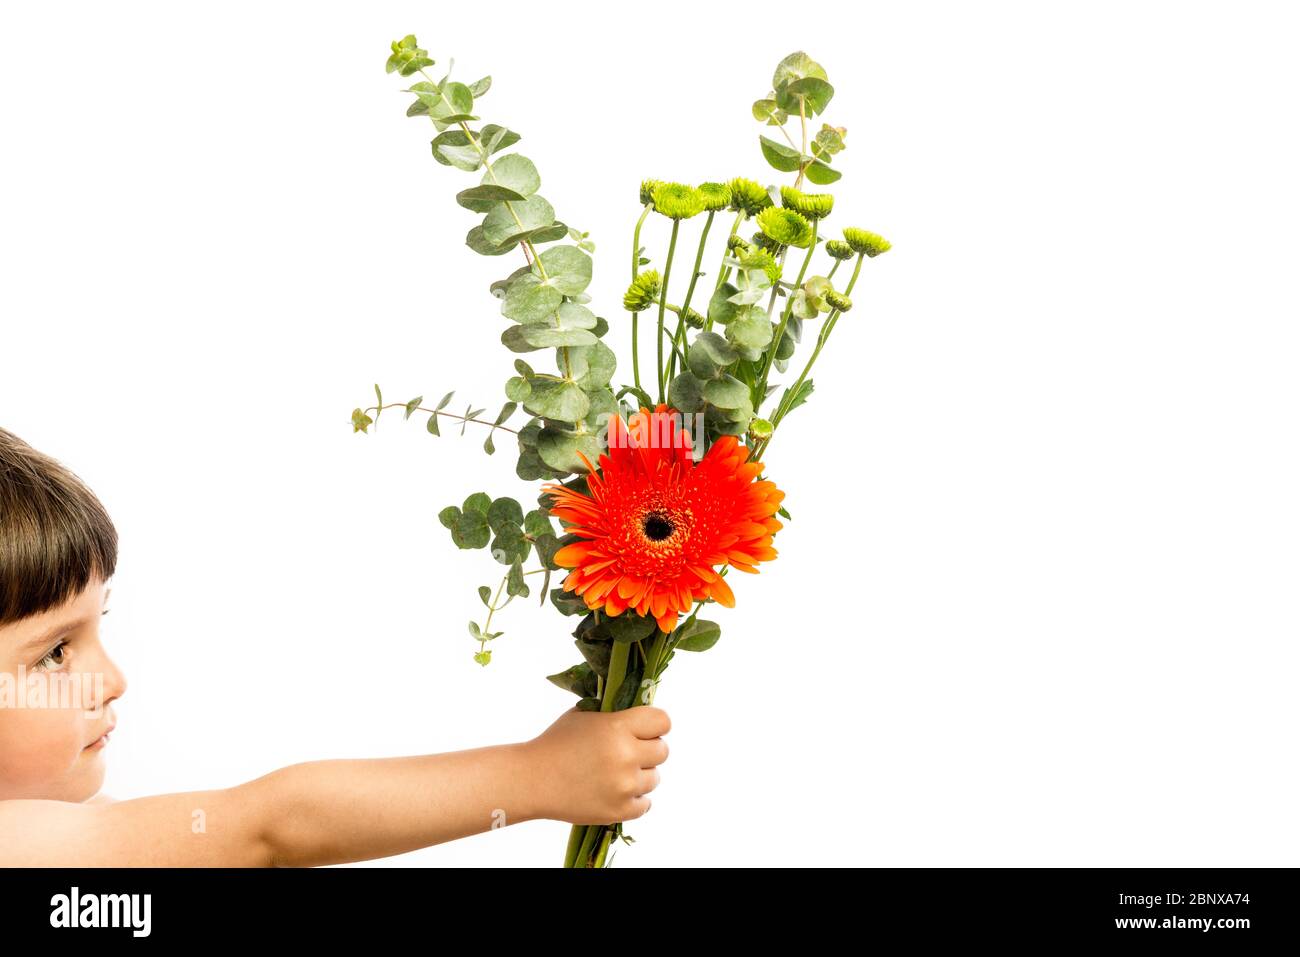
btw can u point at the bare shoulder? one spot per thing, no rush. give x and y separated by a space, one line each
34 833
101 799
217 828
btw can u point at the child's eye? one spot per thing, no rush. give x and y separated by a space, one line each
57 652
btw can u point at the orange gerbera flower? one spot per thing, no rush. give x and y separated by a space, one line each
656 522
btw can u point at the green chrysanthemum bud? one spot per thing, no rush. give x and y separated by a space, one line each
737 243
868 244
837 300
761 429
838 250
678 201
643 292
717 196
810 205
762 242
785 227
693 319
748 196
648 187
761 259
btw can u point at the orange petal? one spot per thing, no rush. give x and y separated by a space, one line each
721 592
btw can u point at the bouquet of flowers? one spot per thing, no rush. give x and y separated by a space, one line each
657 484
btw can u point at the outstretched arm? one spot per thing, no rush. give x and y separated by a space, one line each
586 768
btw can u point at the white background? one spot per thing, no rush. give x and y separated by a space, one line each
1037 605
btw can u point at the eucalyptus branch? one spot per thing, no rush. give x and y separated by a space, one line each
448 415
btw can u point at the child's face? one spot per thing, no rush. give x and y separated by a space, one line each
56 682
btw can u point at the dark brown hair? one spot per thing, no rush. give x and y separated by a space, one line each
55 536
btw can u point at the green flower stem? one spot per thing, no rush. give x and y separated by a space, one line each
725 271
604 846
679 337
529 249
827 327
618 658
675 310
591 833
576 835
761 384
584 838
663 298
636 265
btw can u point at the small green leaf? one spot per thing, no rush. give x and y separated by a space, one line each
515 584
537 522
471 530
503 511
814 92
821 174
798 398
413 405
698 635
567 602
779 156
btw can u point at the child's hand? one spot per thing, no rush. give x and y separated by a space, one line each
593 767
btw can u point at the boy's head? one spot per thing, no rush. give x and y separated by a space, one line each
58 553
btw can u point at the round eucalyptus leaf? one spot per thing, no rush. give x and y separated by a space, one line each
481 199
530 300
727 392
559 448
514 172
573 316
721 309
751 331
601 362
559 399
795 67
542 335
814 92
686 393
475 240
508 221
568 268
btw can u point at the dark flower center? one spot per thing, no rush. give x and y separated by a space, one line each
657 527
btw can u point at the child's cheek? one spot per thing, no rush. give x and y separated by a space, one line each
39 747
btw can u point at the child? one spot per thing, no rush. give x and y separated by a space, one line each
58 553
